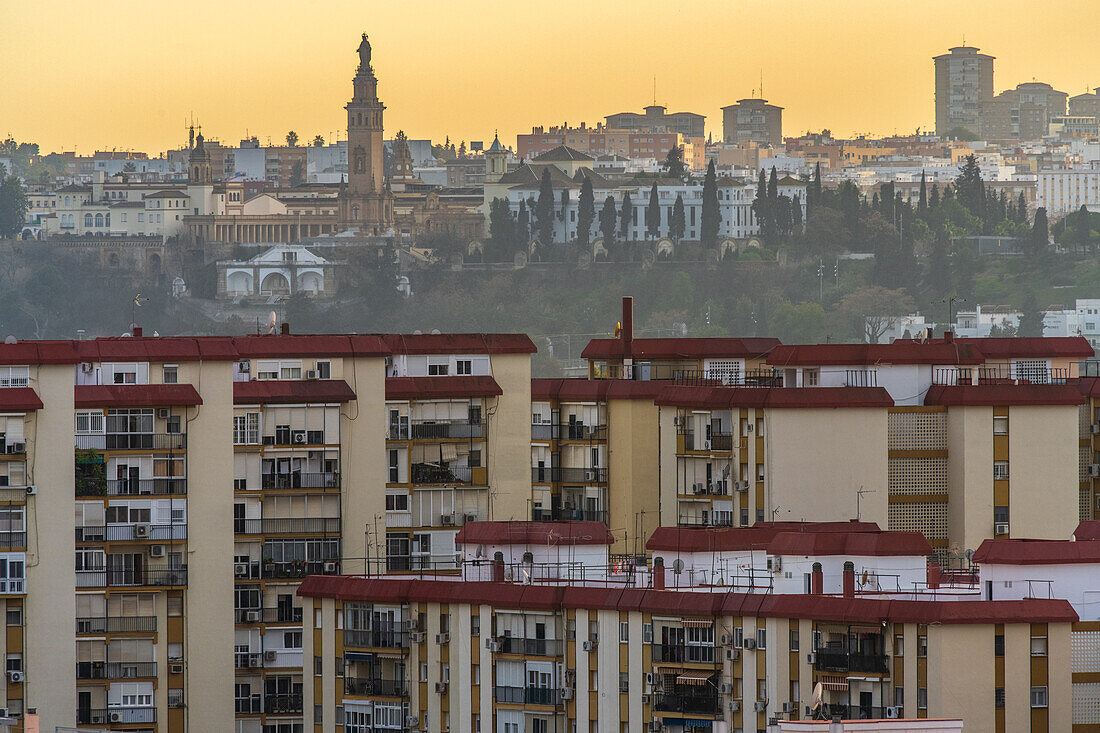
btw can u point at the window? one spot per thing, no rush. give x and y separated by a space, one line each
15 662
761 689
1000 425
171 374
324 370
292 639
796 695
1000 470
16 376
999 645
761 639
438 370
122 377
464 367
899 696
394 467
809 377
922 645
794 640
624 632
1039 696
15 616
397 502
899 646
1038 646
998 697
922 698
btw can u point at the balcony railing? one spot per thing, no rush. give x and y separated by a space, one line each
268 615
137 487
563 514
423 473
827 660
530 647
114 624
540 695
133 441
248 660
1000 374
376 639
322 480
696 521
280 704
380 686
104 716
132 532
115 670
720 487
9 539
307 525
853 712
516 695
693 704
300 569
568 431
681 653
434 430
558 474
128 578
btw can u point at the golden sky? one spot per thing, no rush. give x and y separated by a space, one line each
127 74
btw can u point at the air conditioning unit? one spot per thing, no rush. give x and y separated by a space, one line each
311 374
175 669
469 518
298 436
733 654
742 485
706 445
15 675
442 638
17 447
749 643
1094 470
252 617
411 624
891 712
240 569
726 688
86 367
1000 528
32 490
649 678
115 717
1094 428
157 551
493 645
727 639
270 655
566 693
141 531
589 475
775 563
411 721
330 567
417 637
447 520
163 413
734 706
588 645
790 707
676 420
440 688
760 706
697 488
811 658
646 699
244 366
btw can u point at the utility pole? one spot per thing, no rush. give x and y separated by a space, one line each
820 281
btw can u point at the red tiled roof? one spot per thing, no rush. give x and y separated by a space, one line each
898 352
686 603
459 343
19 399
1088 529
1088 386
593 390
534 533
858 544
136 395
682 348
1070 347
774 397
299 345
440 388
1003 394
39 352
731 539
1037 552
157 348
275 392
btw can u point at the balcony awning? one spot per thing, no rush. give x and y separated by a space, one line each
692 678
136 395
19 399
274 392
697 723
835 682
697 623
358 656
439 388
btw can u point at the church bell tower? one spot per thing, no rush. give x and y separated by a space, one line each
367 202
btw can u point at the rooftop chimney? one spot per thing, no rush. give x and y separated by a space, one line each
817 580
284 328
949 336
658 573
627 333
849 579
137 331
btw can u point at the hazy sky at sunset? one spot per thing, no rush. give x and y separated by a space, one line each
127 74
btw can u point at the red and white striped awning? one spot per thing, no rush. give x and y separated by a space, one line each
697 623
835 682
692 678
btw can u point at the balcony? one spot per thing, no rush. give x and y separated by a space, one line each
445 430
376 639
253 705
853 712
530 647
268 615
695 521
115 670
248 660
380 687
705 703
513 695
1000 374
713 442
132 533
115 624
282 704
558 474
323 480
133 441
299 569
12 540
830 660
103 716
99 486
426 473
705 488
130 578
683 653
308 525
560 515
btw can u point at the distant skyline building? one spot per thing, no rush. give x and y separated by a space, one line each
752 120
656 118
1022 113
1085 105
964 82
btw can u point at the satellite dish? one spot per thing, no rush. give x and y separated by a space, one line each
678 566
436 332
417 332
9 339
272 322
815 698
969 554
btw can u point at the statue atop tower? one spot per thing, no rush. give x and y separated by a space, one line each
367 202
364 53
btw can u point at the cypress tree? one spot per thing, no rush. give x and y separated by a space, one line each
934 197
678 223
1021 209
544 210
607 222
586 212
711 216
922 202
626 217
523 225
653 214
1040 233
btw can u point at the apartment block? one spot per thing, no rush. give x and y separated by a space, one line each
545 631
964 83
